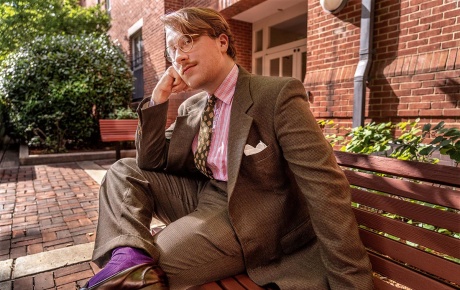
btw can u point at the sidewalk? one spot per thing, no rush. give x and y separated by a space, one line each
48 217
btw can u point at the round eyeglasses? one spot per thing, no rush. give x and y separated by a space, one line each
184 43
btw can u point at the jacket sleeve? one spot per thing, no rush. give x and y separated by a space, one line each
325 188
151 140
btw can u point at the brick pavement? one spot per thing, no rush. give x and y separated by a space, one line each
44 208
65 278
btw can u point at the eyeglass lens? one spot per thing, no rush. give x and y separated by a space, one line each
185 44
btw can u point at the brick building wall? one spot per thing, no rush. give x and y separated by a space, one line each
415 68
416 62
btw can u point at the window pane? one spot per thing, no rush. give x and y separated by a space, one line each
259 66
288 31
137 50
259 40
275 67
287 66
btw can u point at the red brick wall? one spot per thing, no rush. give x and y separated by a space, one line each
125 14
416 65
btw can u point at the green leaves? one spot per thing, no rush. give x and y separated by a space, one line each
24 20
55 89
413 142
369 139
446 140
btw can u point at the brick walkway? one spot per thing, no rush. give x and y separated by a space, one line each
65 278
44 208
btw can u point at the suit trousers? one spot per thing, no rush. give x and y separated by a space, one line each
198 244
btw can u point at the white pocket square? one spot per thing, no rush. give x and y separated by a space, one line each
249 150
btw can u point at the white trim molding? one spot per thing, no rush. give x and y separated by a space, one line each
135 27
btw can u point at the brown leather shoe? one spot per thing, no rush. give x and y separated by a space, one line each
144 276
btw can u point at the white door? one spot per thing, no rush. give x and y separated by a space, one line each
287 63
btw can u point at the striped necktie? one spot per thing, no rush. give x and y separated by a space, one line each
204 138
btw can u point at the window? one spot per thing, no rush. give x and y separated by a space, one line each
280 43
288 31
137 65
259 40
108 6
137 45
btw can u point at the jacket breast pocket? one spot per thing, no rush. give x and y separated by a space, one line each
261 156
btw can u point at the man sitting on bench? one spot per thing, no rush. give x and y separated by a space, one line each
244 180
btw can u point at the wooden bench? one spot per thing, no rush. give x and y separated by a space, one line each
117 131
407 214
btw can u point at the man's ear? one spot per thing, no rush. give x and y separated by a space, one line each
223 42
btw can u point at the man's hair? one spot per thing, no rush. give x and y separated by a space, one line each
200 20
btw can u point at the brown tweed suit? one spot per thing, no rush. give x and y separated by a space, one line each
289 205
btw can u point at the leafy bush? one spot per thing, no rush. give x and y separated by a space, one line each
410 145
370 138
123 113
22 21
56 88
446 140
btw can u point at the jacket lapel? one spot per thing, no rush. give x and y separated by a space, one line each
240 124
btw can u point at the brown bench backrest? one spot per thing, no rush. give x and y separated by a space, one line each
118 130
408 214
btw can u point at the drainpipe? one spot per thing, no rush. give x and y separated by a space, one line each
365 61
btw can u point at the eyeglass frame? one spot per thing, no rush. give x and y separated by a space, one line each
171 58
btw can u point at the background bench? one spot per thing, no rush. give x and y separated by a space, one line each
117 131
407 214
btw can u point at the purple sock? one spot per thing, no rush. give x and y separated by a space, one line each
122 258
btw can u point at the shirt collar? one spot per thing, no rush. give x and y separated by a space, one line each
226 90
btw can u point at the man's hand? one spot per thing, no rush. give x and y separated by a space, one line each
170 83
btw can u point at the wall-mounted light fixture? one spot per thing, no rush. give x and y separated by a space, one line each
333 6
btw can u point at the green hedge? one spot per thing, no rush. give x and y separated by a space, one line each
415 142
56 88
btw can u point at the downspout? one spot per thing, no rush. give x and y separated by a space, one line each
365 61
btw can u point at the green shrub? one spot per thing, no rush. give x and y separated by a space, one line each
56 88
369 138
123 113
446 140
410 145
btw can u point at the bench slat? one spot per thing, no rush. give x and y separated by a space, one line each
416 212
118 137
379 284
442 174
432 240
437 195
244 280
417 258
231 284
404 275
207 286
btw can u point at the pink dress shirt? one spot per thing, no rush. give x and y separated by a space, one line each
217 157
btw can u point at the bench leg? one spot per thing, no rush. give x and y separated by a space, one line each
117 151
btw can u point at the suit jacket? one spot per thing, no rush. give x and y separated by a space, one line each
289 204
